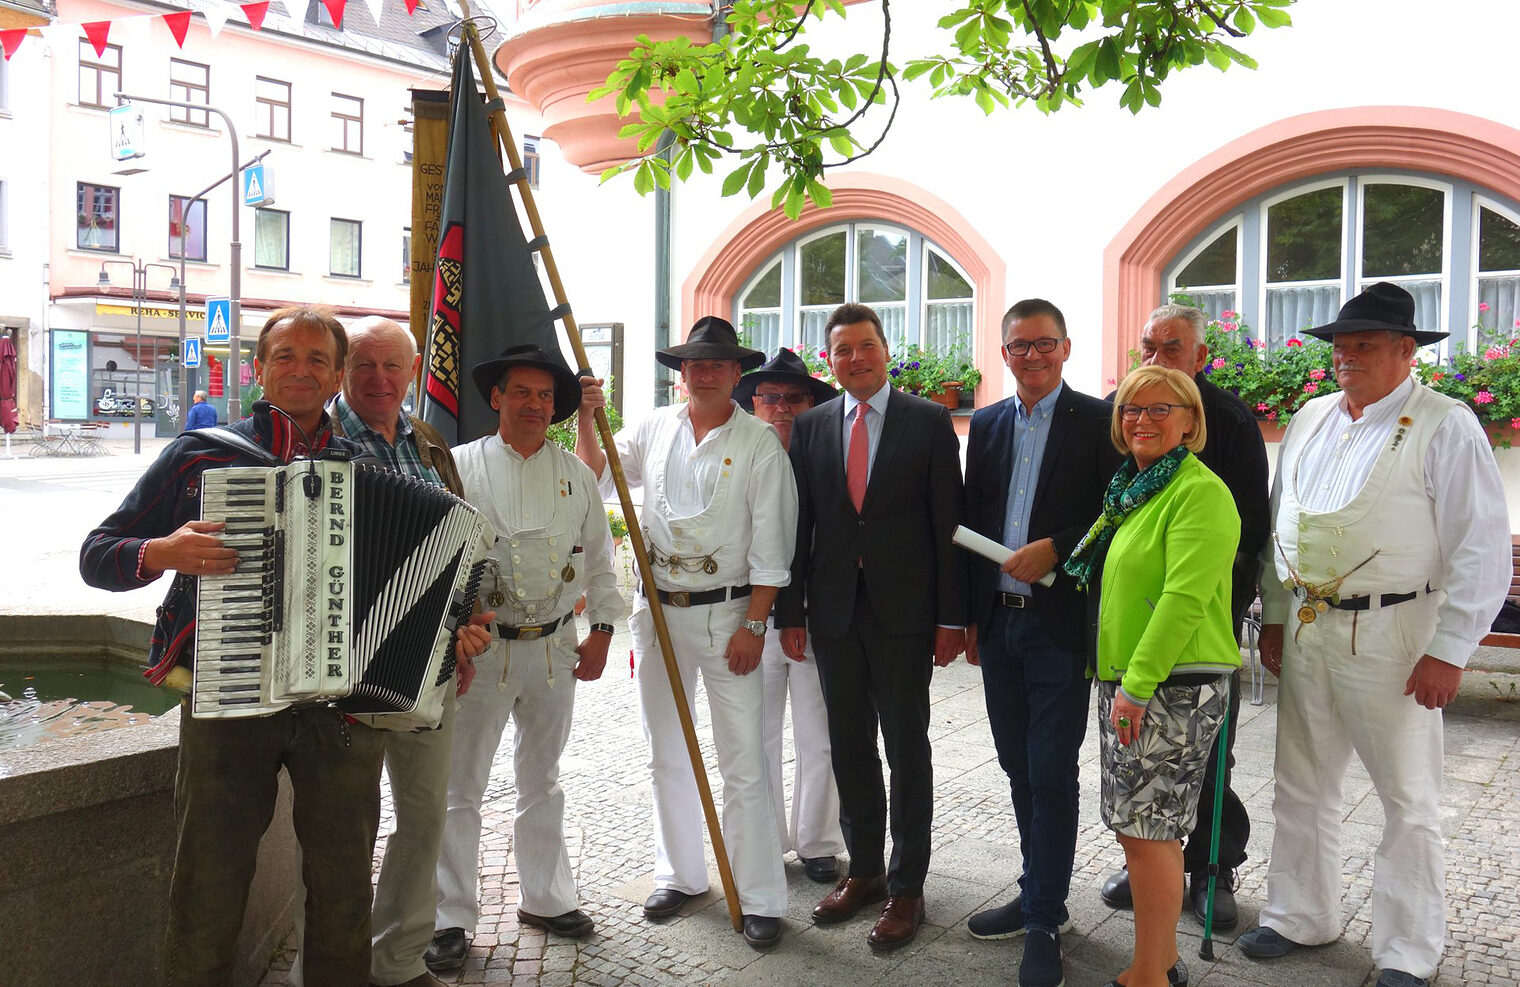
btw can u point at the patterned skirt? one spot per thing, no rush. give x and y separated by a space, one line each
1150 788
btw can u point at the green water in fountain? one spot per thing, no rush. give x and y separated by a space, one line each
51 698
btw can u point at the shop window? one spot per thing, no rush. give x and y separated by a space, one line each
98 207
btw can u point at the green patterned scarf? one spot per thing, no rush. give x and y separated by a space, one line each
1127 491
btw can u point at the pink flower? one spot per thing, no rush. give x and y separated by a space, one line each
1261 406
1316 374
1310 388
1227 314
1495 353
1514 423
1112 382
1218 363
1483 397
1229 326
1483 306
1295 342
1271 416
823 354
1435 378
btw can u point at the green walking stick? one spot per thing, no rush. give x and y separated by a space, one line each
1206 949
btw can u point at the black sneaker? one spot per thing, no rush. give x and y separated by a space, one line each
1003 922
447 950
1041 965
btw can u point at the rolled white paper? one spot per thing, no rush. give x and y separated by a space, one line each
989 549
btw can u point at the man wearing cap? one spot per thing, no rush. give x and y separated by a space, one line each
1389 558
720 521
553 544
777 393
879 483
1174 336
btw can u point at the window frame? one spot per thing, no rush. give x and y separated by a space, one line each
115 226
190 257
88 60
531 159
4 216
343 122
358 225
259 100
179 114
262 211
406 255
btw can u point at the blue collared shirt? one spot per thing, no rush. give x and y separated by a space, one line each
1031 430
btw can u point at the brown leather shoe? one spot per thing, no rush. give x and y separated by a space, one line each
900 918
849 897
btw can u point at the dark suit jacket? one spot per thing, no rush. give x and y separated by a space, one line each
914 575
1079 461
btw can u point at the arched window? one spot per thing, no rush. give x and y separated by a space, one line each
1290 258
921 294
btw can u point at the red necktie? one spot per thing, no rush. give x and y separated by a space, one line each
860 457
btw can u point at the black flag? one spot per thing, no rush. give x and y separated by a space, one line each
486 291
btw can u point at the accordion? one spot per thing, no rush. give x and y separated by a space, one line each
350 582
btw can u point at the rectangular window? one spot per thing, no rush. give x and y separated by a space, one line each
406 253
98 208
4 242
189 82
99 76
531 160
187 219
273 104
271 239
343 251
348 124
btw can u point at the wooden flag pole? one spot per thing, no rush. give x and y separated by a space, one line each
604 430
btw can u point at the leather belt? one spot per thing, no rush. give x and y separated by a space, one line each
1013 601
681 598
531 632
1365 602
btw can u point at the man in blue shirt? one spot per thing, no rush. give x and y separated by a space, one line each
201 415
1037 464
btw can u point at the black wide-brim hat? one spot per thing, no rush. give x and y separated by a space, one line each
567 386
711 338
1383 306
785 367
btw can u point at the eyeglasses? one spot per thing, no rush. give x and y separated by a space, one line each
1021 347
1157 412
791 397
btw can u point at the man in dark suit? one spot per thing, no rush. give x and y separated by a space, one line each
1037 464
879 491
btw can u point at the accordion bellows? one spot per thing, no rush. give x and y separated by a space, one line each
351 580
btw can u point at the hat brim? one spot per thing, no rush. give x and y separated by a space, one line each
1329 331
673 356
567 386
744 392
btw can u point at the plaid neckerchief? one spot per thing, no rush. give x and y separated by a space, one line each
402 457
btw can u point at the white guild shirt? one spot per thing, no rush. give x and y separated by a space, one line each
1461 479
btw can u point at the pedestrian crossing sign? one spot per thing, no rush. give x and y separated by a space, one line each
218 320
192 353
258 186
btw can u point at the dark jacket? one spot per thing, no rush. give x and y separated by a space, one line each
1237 454
167 496
915 577
1079 460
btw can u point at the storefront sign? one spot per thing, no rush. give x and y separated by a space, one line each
191 315
71 374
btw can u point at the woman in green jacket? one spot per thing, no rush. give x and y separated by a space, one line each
1164 547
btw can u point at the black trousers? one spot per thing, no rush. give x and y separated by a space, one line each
1234 823
873 678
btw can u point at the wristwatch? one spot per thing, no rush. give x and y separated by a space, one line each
755 627
605 628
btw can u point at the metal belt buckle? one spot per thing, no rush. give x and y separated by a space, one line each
530 633
681 599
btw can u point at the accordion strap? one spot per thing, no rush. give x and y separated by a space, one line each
223 436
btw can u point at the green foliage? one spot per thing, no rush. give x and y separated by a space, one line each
563 432
804 113
616 523
925 373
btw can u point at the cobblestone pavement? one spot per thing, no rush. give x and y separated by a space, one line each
975 843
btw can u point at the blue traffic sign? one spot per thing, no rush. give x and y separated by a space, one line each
257 186
192 358
218 320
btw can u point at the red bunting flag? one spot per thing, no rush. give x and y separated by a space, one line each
97 32
335 11
179 25
11 40
411 6
255 13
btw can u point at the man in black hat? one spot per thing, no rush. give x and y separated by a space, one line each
1389 557
777 393
553 544
720 521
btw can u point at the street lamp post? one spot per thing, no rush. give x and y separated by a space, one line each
139 271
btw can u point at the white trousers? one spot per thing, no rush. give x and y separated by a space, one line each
699 636
511 680
814 829
401 921
1333 702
